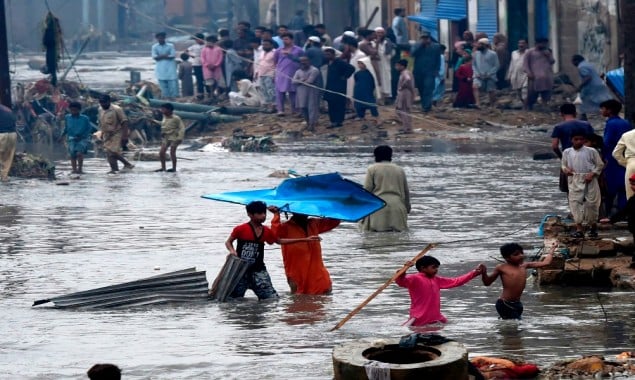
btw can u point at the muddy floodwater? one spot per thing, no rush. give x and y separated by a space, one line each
106 229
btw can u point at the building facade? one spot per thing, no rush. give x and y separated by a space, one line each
587 27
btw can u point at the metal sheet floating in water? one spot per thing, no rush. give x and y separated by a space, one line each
186 285
228 277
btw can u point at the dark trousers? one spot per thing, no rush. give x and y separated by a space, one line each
337 109
360 109
426 89
200 85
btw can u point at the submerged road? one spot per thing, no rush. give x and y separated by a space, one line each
105 229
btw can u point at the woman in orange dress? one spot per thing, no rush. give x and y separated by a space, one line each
303 265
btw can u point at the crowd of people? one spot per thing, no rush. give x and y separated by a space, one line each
300 65
596 171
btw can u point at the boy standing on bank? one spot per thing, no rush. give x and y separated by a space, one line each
513 274
251 238
583 165
172 134
78 130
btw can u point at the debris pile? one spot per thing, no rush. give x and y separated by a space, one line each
593 367
26 165
240 142
603 261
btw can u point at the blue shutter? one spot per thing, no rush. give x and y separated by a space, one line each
487 17
428 8
542 19
454 10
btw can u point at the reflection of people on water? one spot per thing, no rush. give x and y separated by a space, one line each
425 287
251 238
304 309
303 265
513 274
387 181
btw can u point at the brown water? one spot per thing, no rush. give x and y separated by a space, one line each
106 229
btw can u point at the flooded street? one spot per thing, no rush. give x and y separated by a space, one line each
105 229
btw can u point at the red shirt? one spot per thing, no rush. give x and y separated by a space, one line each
250 247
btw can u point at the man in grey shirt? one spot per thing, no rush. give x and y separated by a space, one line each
399 27
485 65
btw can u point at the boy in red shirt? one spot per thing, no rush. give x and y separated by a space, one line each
251 237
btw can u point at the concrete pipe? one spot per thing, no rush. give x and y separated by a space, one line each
447 361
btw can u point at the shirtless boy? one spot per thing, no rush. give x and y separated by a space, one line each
513 274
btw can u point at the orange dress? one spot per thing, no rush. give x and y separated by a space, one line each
303 263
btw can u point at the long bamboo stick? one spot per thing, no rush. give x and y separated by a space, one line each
384 286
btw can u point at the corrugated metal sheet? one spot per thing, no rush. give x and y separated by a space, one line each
452 9
181 286
487 17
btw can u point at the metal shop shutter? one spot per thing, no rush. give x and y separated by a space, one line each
454 10
487 17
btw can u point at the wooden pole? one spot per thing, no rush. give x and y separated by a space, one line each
5 75
384 286
371 17
627 26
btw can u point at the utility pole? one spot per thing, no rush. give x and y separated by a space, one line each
5 75
627 26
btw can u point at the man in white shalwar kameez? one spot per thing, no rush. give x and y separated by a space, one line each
583 165
386 50
247 94
516 73
387 181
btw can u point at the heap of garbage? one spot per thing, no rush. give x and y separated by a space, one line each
241 142
26 165
40 107
593 367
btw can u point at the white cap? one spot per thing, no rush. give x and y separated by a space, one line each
349 33
484 41
379 29
314 38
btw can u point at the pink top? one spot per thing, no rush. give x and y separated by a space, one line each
425 295
266 65
211 60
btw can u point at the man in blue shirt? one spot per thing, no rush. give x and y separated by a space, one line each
165 69
77 129
614 173
561 135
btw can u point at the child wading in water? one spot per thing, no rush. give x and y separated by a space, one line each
424 288
172 134
251 238
78 130
513 274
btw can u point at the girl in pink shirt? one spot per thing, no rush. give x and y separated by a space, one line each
425 290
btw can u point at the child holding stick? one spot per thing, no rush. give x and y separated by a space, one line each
425 290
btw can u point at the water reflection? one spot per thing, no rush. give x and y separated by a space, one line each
300 309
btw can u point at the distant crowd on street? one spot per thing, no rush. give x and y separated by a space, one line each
299 65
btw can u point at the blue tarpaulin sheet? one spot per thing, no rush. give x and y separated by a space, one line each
428 23
616 79
323 195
